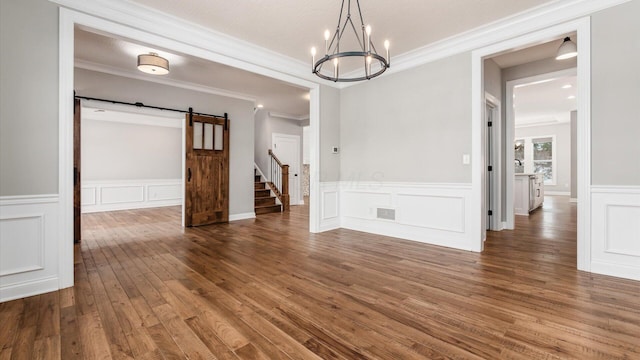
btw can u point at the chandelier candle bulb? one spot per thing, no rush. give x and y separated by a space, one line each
313 57
335 68
326 41
368 30
386 47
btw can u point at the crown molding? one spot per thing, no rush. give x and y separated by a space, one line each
537 18
87 65
232 50
288 116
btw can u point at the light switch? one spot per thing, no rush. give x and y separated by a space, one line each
334 149
466 159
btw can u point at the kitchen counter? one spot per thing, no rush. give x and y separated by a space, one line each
528 193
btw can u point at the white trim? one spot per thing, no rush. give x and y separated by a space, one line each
573 200
288 116
242 216
431 213
28 288
314 159
557 193
582 26
615 215
615 189
87 65
112 195
29 199
496 188
116 116
222 48
521 24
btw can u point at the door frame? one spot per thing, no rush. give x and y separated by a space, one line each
510 124
186 41
298 200
496 188
583 28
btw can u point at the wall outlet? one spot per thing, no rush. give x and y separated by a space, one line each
466 159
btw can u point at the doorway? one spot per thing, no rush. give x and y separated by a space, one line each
287 148
582 28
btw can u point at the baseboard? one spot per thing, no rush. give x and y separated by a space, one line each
616 270
557 193
242 216
28 288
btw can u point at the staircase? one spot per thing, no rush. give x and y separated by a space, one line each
264 203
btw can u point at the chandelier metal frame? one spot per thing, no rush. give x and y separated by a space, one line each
367 49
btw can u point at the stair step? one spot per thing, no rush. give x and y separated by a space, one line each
260 201
262 193
265 209
257 178
260 185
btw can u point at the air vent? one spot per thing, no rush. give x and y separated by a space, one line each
386 214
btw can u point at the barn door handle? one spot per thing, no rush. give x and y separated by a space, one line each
189 174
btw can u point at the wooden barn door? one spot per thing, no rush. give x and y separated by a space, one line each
207 170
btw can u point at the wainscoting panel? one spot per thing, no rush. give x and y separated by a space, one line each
29 233
130 194
615 231
329 206
430 213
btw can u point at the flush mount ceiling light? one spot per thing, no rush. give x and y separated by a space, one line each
567 50
373 63
152 63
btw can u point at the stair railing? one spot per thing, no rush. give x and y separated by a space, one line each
279 183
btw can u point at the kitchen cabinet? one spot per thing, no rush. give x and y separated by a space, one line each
529 193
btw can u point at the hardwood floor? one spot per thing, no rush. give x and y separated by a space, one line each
267 289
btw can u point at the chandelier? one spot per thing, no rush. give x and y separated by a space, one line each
334 55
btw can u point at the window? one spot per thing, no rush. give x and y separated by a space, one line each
536 155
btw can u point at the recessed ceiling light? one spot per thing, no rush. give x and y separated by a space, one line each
568 86
260 106
99 110
571 97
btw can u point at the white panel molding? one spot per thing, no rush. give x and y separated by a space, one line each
28 254
288 116
329 218
29 237
436 214
131 194
615 230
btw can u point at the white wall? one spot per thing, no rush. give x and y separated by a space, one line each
122 151
241 123
562 150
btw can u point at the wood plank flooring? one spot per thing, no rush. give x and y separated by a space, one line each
267 289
